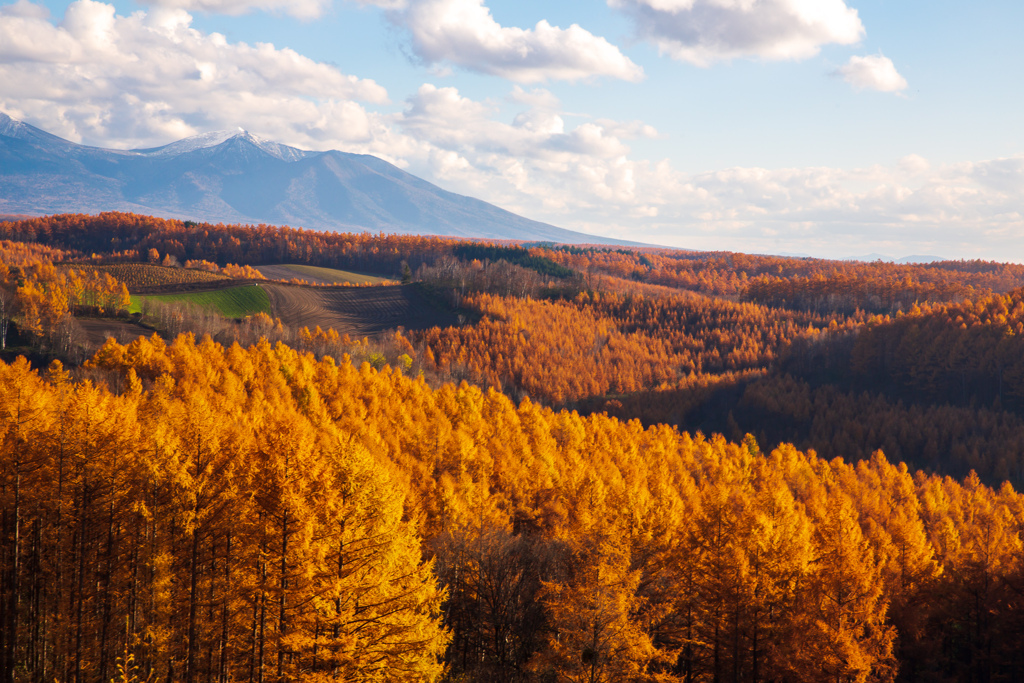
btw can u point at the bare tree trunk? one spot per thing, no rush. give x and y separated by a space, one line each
190 659
80 588
222 675
263 619
282 614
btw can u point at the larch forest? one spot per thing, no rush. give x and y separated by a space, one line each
598 465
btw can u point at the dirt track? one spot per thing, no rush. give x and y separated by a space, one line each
356 311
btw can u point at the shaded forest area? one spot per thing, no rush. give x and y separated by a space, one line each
559 498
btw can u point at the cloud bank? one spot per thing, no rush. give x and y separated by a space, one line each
702 32
99 77
463 33
585 177
536 162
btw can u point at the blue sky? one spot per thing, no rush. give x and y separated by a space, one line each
825 127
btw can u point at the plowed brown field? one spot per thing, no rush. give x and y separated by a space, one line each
356 311
317 276
97 330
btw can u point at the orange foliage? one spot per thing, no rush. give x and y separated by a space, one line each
45 296
952 351
607 343
231 482
804 283
245 244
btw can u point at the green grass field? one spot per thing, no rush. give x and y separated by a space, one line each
234 302
327 275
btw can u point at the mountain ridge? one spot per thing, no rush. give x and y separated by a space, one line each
236 177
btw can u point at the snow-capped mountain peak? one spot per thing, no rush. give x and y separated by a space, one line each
10 127
190 144
219 137
14 128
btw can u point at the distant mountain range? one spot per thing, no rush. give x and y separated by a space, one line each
236 177
870 258
916 258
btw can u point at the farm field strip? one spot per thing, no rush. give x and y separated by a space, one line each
233 302
317 275
143 275
98 330
356 310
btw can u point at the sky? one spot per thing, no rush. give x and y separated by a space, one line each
830 128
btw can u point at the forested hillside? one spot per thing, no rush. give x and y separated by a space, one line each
605 465
255 514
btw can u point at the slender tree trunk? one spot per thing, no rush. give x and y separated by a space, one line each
253 632
15 581
341 575
263 624
225 602
754 652
107 579
37 644
210 611
133 592
755 620
717 672
282 613
151 659
80 589
263 613
688 649
58 598
736 645
193 601
5 563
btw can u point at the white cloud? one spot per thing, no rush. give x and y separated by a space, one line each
302 9
585 178
534 163
463 33
967 210
25 9
150 78
705 31
537 97
873 72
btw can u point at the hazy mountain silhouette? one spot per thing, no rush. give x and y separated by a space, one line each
915 258
236 177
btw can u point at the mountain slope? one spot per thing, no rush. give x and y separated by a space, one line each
233 176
